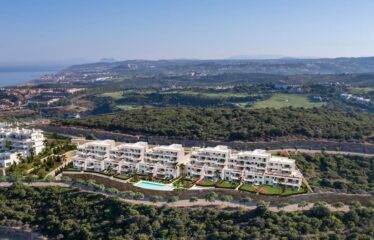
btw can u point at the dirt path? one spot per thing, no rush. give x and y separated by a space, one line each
180 203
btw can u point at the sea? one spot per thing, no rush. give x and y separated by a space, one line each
13 75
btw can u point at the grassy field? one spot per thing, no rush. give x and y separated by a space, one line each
131 107
212 95
287 100
361 90
114 95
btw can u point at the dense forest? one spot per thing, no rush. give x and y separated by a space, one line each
70 214
344 173
234 124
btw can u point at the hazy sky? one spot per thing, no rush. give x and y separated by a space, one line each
56 30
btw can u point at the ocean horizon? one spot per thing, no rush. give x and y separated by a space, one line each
13 75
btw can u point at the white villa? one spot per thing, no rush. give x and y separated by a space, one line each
212 163
15 141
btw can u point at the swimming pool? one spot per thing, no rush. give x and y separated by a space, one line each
154 186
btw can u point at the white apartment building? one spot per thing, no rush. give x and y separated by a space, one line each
259 167
163 161
21 140
7 159
208 163
92 155
212 163
126 158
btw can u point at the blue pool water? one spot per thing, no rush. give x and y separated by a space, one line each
154 186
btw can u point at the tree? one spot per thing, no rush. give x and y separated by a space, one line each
193 199
226 198
173 199
211 197
246 200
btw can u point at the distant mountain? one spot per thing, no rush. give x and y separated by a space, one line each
256 57
101 71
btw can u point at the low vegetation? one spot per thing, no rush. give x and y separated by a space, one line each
70 214
344 173
234 124
287 100
273 190
39 165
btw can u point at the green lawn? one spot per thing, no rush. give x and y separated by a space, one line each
122 177
114 95
227 184
130 107
361 90
212 95
183 183
205 183
270 190
287 100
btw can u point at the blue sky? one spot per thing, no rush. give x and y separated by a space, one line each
63 30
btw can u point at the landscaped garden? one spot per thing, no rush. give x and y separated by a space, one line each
39 165
184 183
273 190
205 183
227 184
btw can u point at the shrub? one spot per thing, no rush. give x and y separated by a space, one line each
155 199
211 197
246 200
338 204
226 198
138 196
194 199
173 199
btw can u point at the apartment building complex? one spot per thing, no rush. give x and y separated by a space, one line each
212 163
208 163
259 167
92 155
15 141
161 161
7 159
126 158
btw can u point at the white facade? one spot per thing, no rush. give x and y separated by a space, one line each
7 159
163 161
213 163
21 140
259 167
14 141
208 162
91 155
127 157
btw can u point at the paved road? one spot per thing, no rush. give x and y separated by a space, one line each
180 203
